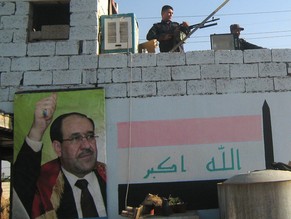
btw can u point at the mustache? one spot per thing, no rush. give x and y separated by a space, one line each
86 151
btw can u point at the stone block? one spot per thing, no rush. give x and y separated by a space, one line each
215 71
171 88
257 55
83 62
142 89
228 56
197 87
156 74
244 70
200 57
43 48
25 64
225 86
126 75
186 72
37 78
171 59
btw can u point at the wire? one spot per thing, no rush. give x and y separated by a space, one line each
231 14
129 136
259 33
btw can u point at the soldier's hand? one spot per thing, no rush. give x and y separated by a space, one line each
185 24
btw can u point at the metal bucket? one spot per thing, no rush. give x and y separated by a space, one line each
256 195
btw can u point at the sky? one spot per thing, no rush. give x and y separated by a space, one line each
266 22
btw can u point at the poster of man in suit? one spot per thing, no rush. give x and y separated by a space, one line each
59 139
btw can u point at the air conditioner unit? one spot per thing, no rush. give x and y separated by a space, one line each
223 42
119 33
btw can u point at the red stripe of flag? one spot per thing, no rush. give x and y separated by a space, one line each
190 131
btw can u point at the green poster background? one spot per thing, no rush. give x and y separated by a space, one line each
88 101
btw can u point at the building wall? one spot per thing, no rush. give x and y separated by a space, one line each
57 65
127 76
51 59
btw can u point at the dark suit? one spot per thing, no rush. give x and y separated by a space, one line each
44 190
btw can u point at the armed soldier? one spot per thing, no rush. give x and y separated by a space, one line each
167 32
235 29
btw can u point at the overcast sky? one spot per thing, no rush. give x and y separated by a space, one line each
266 22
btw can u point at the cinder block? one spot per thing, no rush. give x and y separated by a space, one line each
272 69
215 71
43 48
195 87
90 47
225 86
84 19
11 78
25 64
104 75
171 59
5 64
4 96
142 60
113 60
281 55
114 90
126 75
54 62
67 77
259 85
244 70
200 57
19 36
156 74
257 55
171 88
70 47
83 5
37 78
12 49
22 8
6 36
228 56
186 72
83 62
14 21
84 33
7 8
142 89
89 76
282 84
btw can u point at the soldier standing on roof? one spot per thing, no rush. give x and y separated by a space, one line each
168 32
235 29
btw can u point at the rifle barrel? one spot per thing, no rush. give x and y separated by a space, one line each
196 25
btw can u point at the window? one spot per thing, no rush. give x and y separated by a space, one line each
49 21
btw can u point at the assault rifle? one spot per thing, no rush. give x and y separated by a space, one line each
198 26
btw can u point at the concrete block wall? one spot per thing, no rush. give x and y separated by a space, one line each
195 73
146 74
47 64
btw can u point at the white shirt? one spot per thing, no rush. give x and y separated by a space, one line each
94 189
